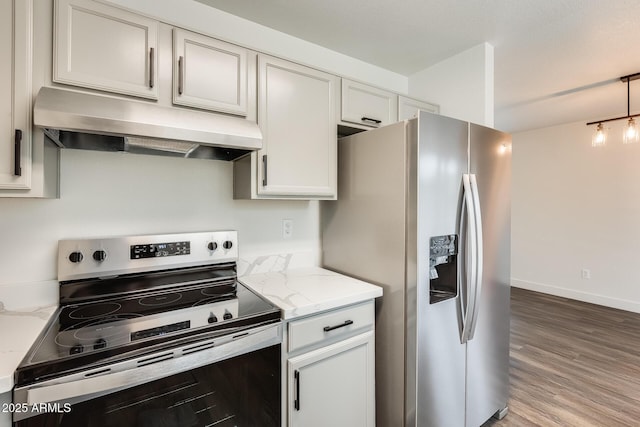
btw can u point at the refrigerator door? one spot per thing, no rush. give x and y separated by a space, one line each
487 373
439 396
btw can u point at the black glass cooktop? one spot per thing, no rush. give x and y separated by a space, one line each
117 327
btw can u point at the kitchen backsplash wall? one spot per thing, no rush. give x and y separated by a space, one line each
108 194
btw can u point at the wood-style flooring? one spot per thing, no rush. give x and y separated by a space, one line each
572 364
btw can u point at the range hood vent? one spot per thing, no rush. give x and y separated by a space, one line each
96 122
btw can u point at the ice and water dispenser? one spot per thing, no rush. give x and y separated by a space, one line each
443 268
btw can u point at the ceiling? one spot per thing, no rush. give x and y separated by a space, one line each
556 61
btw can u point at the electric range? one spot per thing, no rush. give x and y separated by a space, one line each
149 308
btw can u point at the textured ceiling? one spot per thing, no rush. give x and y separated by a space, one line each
556 61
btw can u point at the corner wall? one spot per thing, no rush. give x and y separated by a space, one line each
576 207
462 85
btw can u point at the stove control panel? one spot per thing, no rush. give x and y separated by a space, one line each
107 257
160 249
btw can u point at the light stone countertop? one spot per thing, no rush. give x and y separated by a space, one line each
19 329
305 291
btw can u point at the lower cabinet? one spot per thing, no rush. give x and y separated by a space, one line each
333 386
331 369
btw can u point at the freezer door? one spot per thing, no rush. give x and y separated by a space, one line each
487 373
438 397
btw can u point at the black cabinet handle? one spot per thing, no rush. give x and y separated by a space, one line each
151 68
17 169
264 170
180 75
331 328
296 402
369 119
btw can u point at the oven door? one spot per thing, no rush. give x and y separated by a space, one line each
230 381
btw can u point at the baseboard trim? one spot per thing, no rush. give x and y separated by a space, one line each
577 295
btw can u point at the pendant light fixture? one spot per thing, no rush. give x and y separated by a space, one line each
631 133
600 137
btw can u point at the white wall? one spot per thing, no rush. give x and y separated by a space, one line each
109 194
576 207
462 85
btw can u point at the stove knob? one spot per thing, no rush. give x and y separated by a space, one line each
212 246
227 315
228 244
76 257
212 319
99 256
76 349
101 343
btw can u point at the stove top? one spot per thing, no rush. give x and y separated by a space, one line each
117 317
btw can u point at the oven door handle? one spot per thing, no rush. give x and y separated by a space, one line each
104 380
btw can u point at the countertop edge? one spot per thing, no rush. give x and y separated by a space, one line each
294 313
300 304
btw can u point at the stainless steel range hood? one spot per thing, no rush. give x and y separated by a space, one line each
95 122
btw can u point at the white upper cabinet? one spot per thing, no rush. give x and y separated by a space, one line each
409 107
297 117
296 113
15 86
367 106
209 74
105 48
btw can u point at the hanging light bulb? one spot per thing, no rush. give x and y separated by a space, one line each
600 137
631 132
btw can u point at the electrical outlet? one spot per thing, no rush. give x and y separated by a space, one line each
287 228
586 274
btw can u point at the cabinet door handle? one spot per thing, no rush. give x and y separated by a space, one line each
369 119
152 68
296 402
264 170
17 169
342 325
180 75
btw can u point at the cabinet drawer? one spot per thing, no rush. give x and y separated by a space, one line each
329 326
368 106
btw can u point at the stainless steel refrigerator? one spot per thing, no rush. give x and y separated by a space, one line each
423 210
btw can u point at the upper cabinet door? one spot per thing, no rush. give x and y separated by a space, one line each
368 106
297 117
209 74
408 107
101 47
15 86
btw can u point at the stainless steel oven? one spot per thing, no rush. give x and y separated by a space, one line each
153 331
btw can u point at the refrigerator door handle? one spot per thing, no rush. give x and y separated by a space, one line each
477 287
470 257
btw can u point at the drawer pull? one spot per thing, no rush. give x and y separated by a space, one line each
369 119
331 328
